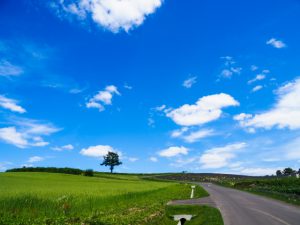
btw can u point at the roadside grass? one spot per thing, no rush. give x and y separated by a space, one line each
46 198
201 215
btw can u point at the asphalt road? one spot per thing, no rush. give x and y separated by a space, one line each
242 208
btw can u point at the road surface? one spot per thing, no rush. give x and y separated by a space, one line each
242 208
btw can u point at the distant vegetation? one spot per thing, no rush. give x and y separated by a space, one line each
65 170
287 172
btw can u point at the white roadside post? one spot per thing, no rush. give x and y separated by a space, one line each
193 189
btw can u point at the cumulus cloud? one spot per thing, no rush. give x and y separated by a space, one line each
206 109
276 43
189 82
27 133
68 147
284 114
98 151
114 15
7 69
35 159
102 98
220 157
11 104
173 151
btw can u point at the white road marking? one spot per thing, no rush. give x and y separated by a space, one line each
270 215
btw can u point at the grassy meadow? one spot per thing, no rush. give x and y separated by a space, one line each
48 198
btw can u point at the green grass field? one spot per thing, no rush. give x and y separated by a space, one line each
47 198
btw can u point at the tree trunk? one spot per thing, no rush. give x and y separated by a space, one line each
111 169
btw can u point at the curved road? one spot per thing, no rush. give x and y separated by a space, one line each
242 208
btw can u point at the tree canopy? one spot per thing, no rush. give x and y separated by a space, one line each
111 160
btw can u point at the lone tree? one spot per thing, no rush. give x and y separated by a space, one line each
111 160
278 173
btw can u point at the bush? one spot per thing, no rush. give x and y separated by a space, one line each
88 173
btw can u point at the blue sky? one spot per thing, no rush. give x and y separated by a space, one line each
200 86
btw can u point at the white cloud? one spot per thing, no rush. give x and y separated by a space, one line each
35 159
192 136
276 43
229 69
95 105
206 109
160 108
98 151
11 104
76 91
226 73
127 86
183 162
3 165
133 159
7 69
179 133
259 171
151 122
173 151
289 150
242 117
114 15
254 68
11 136
257 88
220 157
36 128
103 98
189 82
27 133
197 135
257 78
284 114
153 159
68 147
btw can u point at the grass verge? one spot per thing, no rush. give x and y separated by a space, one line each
203 215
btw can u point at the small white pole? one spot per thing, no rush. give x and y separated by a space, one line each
192 193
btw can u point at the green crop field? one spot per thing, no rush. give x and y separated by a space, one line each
47 198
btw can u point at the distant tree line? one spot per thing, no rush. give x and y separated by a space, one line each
287 172
65 170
